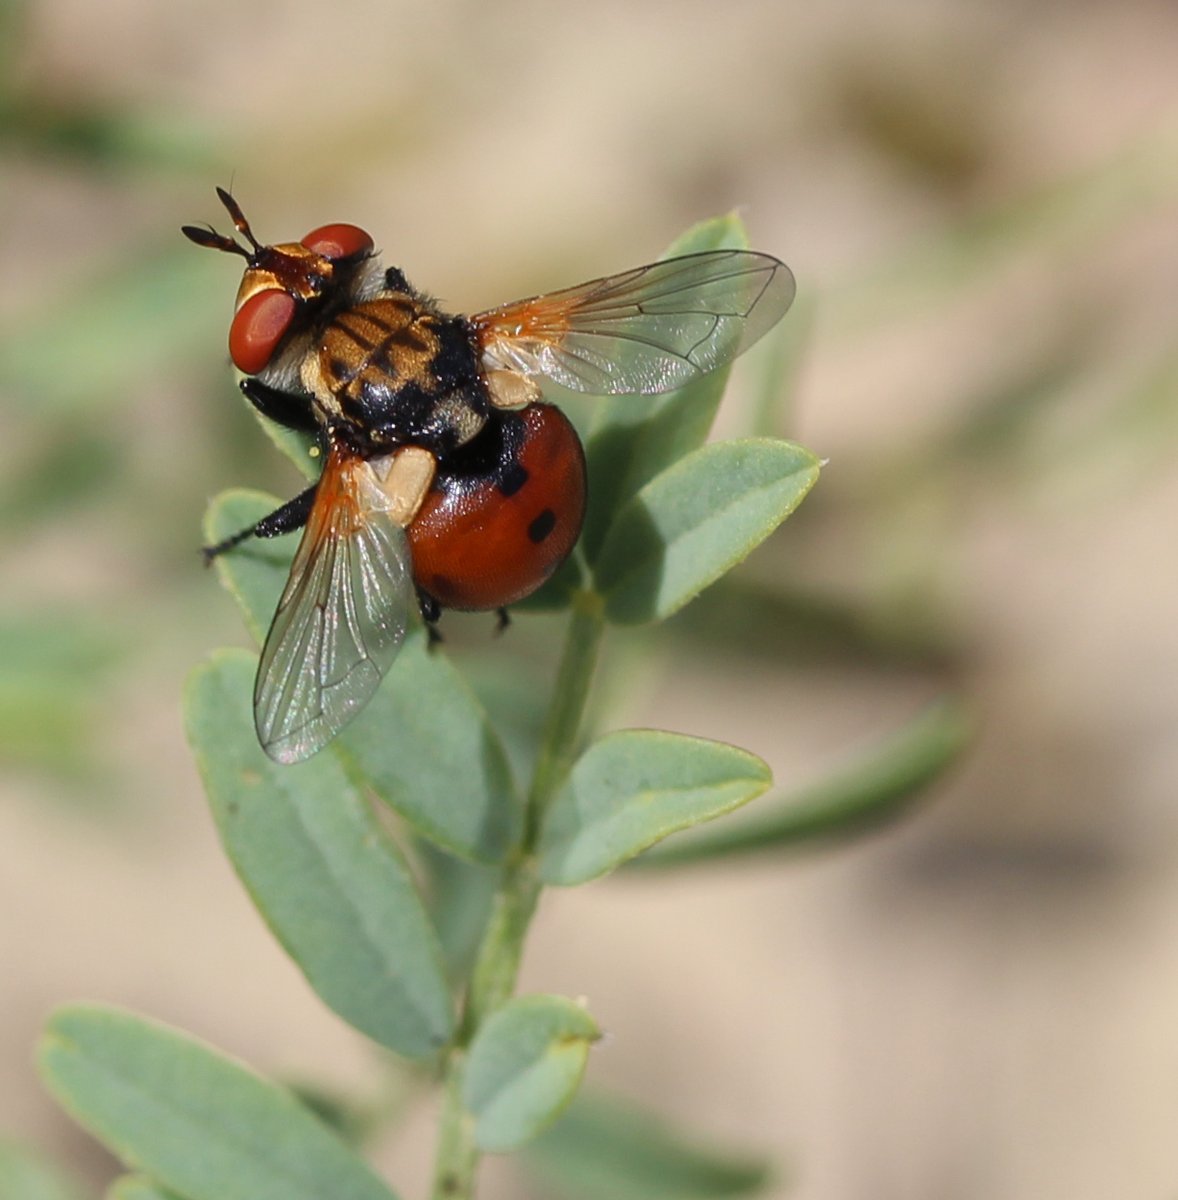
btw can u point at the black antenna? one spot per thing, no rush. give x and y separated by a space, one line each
239 222
209 237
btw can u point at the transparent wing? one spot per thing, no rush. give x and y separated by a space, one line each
645 331
341 619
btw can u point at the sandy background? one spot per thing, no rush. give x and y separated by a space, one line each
979 201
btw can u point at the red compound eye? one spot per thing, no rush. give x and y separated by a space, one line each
258 327
338 241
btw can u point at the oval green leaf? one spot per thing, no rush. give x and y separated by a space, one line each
325 877
633 438
524 1066
426 747
423 743
696 520
632 788
253 573
878 789
606 1149
301 448
199 1123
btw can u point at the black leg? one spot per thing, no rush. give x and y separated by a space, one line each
290 409
431 614
503 621
291 516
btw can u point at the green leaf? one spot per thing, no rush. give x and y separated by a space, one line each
605 1149
633 438
201 1124
253 573
634 787
743 615
515 687
427 749
327 880
351 1119
525 1063
302 449
26 1175
777 361
460 896
697 519
138 1187
879 789
423 743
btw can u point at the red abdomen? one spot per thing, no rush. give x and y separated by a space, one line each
503 513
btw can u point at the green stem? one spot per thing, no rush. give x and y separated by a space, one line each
496 967
563 727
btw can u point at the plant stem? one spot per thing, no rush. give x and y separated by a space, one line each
567 710
496 967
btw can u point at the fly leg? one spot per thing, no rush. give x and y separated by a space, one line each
291 516
431 614
290 409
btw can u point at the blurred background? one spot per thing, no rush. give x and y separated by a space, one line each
980 202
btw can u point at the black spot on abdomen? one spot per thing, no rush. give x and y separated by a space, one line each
512 477
542 526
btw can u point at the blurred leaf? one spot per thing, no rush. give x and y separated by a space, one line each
1035 429
1130 435
993 429
138 1187
742 615
14 25
85 129
200 1123
26 1175
696 520
1059 217
351 1121
55 671
931 116
328 882
70 465
878 789
423 742
633 438
632 788
109 333
525 1063
63 643
604 1149
777 362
